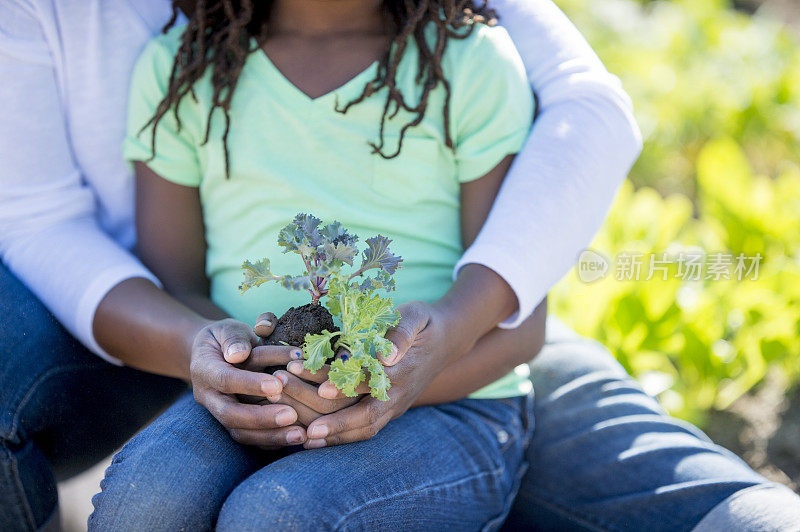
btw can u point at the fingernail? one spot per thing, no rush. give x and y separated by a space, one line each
270 387
297 354
264 323
328 390
392 358
318 431
295 436
237 348
282 377
295 367
315 444
284 417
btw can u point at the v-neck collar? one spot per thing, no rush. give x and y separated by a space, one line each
350 89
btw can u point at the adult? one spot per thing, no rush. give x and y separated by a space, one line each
66 232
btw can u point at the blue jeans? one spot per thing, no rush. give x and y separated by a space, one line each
603 456
62 409
455 466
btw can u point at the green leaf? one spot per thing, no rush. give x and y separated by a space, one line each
378 380
317 350
309 227
346 375
290 238
256 274
384 315
371 312
296 282
344 253
382 280
379 256
336 234
380 345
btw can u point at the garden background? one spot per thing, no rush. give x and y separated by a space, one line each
716 87
716 91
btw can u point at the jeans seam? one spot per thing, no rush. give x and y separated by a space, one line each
495 472
23 501
509 502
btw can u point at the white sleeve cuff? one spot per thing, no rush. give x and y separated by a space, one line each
496 258
91 299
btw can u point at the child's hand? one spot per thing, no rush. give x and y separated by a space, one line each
216 382
300 391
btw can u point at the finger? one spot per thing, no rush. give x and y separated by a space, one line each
270 439
228 379
393 357
365 413
253 399
412 321
265 324
305 414
235 415
298 369
262 357
235 340
360 434
307 394
328 390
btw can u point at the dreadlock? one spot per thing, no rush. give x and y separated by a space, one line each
220 34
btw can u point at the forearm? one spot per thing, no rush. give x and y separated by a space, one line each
477 301
493 356
148 329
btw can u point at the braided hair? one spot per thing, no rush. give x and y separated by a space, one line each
220 36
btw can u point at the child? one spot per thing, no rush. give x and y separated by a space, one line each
397 117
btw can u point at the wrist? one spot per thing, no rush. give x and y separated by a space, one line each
478 300
193 329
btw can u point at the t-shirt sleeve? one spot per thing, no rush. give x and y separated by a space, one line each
175 155
492 103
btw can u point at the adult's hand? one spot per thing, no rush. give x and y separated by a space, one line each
228 359
422 346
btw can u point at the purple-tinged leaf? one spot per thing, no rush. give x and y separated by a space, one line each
379 256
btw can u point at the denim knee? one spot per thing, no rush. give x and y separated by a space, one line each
140 492
767 506
174 475
277 501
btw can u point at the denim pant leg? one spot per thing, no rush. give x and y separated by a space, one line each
605 456
449 467
62 408
174 475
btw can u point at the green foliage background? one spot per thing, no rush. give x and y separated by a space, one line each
717 94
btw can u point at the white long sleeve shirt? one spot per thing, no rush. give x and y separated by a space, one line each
66 195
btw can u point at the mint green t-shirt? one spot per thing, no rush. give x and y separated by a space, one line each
290 153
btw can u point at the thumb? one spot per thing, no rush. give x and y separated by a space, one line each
236 342
412 321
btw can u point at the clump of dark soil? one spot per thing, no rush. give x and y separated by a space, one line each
293 326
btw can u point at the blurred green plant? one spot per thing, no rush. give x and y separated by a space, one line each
717 96
697 70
